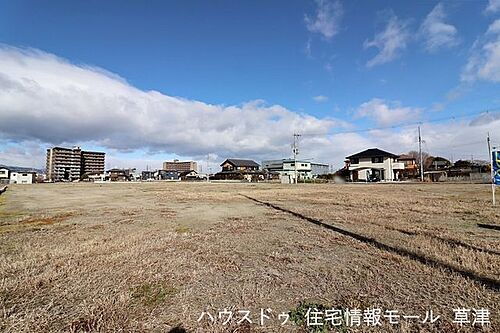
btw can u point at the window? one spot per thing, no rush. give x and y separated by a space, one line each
354 160
25 175
377 159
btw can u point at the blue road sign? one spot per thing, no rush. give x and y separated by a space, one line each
496 167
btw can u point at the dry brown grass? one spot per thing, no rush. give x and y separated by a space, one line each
34 223
150 257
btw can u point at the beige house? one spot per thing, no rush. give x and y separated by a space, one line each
374 165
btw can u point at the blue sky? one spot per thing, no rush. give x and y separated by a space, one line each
347 64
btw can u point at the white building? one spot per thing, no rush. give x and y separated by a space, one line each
4 175
286 169
374 165
22 177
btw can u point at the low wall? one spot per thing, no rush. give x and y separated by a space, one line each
482 178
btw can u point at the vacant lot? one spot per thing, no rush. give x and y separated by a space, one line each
154 256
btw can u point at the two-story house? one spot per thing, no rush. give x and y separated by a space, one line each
4 175
233 168
411 166
374 165
233 164
22 177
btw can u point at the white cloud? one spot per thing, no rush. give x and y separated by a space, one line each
436 33
494 28
484 61
31 154
385 113
46 98
320 98
493 6
308 49
390 42
327 20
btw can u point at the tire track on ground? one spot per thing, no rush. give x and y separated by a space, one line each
485 281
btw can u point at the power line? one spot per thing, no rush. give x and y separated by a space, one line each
482 112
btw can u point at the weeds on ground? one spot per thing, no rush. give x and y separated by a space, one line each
182 230
152 294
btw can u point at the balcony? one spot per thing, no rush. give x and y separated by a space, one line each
398 166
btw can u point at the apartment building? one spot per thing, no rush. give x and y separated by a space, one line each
69 164
92 162
180 166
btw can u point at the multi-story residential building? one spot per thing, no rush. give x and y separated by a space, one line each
92 162
180 166
63 164
374 165
69 164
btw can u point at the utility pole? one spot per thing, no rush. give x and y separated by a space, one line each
208 169
420 153
492 172
295 149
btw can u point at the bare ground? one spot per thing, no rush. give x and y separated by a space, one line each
153 256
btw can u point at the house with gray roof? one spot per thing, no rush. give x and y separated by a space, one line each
239 169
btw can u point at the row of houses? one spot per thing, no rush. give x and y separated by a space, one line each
69 164
369 165
74 164
17 176
231 169
378 165
126 175
284 170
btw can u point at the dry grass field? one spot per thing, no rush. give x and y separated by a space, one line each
151 257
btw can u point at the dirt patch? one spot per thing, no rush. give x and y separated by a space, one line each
34 223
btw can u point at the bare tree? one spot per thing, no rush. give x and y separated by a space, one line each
416 156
